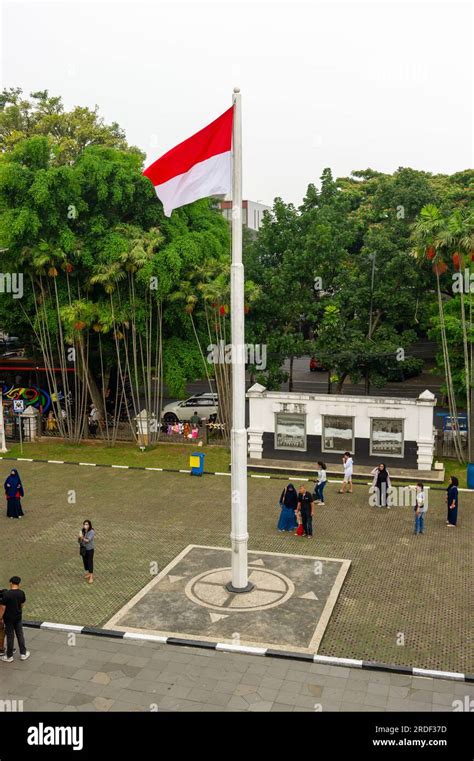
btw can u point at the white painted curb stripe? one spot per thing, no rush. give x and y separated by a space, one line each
92 464
145 637
184 471
24 459
160 469
120 466
224 646
222 474
58 462
330 661
438 674
61 627
241 649
259 476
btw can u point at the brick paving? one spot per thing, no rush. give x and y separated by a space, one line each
405 600
102 675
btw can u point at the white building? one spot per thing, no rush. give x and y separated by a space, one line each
252 213
308 427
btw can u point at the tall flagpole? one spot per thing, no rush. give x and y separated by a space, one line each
3 443
238 535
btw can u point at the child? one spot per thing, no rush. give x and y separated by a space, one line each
420 508
322 481
299 520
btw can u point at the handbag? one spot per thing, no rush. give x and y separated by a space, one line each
82 550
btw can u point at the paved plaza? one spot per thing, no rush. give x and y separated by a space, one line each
87 673
405 599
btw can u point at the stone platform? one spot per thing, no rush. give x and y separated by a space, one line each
289 607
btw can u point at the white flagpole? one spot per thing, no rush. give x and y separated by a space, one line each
3 443
238 535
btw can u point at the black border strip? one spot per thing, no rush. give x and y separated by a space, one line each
290 656
277 477
191 643
269 652
95 631
374 666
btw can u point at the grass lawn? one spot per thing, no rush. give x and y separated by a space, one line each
453 468
398 583
174 456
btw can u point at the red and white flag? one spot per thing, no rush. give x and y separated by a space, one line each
196 168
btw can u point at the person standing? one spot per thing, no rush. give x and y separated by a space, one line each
195 420
93 422
2 625
452 499
13 600
288 504
86 548
14 492
381 484
51 425
347 462
321 483
305 507
420 509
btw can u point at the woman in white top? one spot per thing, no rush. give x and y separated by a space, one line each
347 462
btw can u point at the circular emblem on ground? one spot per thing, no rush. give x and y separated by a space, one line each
270 589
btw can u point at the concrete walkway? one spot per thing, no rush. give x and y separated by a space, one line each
68 672
334 469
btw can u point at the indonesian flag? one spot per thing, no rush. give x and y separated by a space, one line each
196 168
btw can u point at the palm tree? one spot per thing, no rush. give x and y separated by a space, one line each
44 265
136 322
441 239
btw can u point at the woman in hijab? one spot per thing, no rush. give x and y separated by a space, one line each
13 492
288 504
381 484
452 498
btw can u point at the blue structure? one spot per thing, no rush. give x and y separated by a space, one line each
470 475
196 462
460 422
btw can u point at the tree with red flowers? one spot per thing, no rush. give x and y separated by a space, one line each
447 240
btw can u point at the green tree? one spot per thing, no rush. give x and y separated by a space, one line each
83 224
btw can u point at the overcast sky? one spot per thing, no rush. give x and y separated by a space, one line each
348 86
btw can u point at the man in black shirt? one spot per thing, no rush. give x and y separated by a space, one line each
12 603
305 506
2 627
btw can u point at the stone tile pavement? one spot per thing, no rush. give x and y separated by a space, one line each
86 673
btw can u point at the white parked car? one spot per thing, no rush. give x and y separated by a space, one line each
179 412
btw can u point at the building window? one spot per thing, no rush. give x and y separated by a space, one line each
386 437
338 434
290 431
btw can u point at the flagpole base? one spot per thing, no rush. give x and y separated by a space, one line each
239 590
